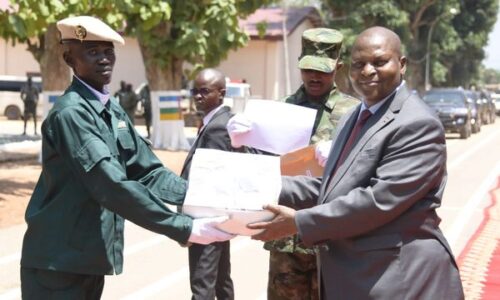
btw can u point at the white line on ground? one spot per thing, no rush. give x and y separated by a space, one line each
182 273
10 258
466 212
144 245
159 285
457 161
11 294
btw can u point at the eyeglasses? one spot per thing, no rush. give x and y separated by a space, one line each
203 91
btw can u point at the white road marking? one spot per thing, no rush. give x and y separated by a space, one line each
457 161
171 279
466 212
10 258
11 294
130 250
159 285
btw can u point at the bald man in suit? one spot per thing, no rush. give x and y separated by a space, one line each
209 265
372 216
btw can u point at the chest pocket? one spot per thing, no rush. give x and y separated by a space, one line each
125 139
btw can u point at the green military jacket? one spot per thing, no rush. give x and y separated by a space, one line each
328 115
96 171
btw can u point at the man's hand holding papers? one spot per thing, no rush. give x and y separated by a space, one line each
281 226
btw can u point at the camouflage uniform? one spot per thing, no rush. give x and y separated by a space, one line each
292 266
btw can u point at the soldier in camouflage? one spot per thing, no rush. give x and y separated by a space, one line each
292 266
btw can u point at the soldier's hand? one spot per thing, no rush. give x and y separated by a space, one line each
281 226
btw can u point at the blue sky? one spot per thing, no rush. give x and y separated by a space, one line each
492 59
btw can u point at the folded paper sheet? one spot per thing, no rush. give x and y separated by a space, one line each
234 184
301 162
277 127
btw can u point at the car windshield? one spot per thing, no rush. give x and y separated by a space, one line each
437 98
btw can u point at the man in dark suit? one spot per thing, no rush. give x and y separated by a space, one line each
209 265
373 215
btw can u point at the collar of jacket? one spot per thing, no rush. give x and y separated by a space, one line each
327 102
90 97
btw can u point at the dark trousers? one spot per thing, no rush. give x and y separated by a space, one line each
38 284
210 271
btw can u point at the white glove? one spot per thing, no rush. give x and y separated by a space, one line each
322 151
236 127
204 231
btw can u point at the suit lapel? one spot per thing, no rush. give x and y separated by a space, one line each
382 118
337 147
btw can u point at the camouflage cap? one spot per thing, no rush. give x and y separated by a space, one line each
320 49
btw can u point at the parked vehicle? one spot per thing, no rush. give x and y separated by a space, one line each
453 109
477 110
496 99
11 104
490 106
237 95
482 107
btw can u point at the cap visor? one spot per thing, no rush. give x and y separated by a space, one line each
321 64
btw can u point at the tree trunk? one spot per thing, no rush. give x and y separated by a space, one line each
161 78
55 73
415 75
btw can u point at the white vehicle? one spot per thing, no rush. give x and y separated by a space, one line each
496 100
11 104
237 95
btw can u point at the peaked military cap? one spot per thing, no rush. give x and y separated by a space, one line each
86 28
320 49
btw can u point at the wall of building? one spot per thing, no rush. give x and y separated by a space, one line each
250 63
262 64
16 60
295 39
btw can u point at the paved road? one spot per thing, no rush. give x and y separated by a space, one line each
156 268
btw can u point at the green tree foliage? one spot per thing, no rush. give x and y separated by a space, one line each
418 22
473 24
199 32
170 33
487 76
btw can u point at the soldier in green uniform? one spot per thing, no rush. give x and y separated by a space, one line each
96 171
292 266
145 98
29 95
128 101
